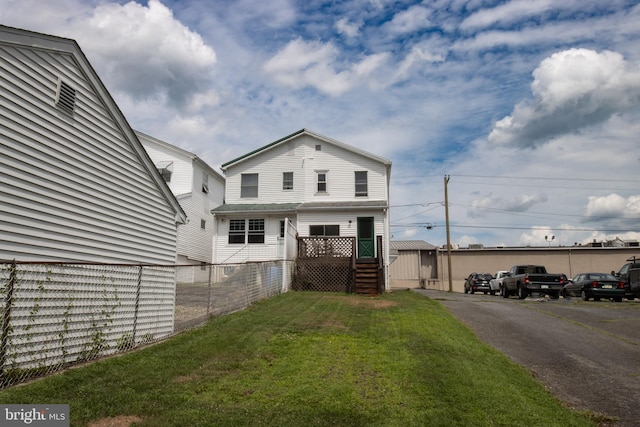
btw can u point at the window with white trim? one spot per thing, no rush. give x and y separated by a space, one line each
324 230
287 180
249 185
256 231
361 184
236 231
322 178
246 230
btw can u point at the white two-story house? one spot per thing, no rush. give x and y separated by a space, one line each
317 185
198 188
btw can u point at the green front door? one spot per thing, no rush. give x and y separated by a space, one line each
366 241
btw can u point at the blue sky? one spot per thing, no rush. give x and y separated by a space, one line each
532 107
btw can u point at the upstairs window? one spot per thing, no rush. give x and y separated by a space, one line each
66 97
361 184
287 180
166 170
321 179
205 183
249 185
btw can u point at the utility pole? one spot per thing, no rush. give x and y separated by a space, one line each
446 211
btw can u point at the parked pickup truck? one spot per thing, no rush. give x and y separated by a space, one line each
525 279
630 275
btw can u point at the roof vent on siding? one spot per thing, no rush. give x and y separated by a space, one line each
66 97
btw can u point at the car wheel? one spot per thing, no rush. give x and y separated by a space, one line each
472 291
466 291
504 292
555 295
584 296
493 292
522 292
564 293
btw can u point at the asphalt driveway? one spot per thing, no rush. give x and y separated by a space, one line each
586 353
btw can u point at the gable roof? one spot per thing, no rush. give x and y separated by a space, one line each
40 41
297 134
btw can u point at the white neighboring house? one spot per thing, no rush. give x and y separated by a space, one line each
76 184
198 188
321 186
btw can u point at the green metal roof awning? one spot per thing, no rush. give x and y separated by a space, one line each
257 208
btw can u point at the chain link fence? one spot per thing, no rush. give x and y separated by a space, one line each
56 315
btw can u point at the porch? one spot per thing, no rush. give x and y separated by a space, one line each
330 264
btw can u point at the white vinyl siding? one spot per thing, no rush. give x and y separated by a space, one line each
182 175
341 218
339 163
238 252
72 188
194 243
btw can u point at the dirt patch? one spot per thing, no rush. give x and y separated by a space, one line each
186 378
372 302
119 421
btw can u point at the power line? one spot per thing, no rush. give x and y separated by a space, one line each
504 227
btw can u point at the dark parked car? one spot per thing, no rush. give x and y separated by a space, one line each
478 282
596 286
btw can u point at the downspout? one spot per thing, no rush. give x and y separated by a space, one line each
284 256
214 238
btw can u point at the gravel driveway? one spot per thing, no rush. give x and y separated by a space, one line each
586 353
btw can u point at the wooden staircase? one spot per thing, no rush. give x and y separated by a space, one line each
367 276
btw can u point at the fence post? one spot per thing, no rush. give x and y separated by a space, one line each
209 292
135 314
7 318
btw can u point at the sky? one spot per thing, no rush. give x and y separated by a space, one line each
528 109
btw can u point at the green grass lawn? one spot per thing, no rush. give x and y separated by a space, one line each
310 359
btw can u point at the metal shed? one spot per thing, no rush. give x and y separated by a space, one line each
414 263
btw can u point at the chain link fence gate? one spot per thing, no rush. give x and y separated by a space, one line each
56 315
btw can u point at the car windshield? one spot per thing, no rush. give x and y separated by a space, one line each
600 277
485 276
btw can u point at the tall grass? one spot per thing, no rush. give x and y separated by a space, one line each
311 359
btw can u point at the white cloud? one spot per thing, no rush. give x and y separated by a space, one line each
417 56
572 90
350 29
413 19
511 11
613 206
301 63
536 237
145 52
